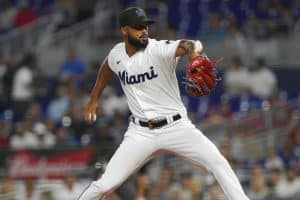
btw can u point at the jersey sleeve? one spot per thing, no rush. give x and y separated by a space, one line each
111 61
168 48
166 51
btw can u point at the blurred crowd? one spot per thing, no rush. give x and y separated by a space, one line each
267 180
210 20
38 111
263 183
17 13
42 112
46 112
213 20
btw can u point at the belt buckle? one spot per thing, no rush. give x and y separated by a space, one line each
151 123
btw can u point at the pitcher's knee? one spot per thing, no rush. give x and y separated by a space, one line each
92 192
105 187
95 191
217 161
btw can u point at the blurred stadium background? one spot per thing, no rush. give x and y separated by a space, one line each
50 52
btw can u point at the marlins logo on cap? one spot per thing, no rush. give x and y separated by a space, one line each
139 13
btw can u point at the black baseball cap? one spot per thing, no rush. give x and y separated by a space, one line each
134 17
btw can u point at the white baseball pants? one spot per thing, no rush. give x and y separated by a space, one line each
180 137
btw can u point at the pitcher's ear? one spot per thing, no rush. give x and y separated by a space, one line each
124 30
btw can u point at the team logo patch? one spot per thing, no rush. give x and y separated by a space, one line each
139 13
138 78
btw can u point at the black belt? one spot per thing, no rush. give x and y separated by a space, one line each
156 123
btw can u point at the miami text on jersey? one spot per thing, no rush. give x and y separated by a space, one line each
138 78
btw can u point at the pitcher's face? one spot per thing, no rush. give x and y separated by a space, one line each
138 36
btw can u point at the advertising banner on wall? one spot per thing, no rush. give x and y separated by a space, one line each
26 164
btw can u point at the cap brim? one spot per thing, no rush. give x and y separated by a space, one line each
145 22
149 21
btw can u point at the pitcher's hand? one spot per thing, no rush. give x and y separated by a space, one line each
91 111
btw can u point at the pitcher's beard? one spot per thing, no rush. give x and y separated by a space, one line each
137 43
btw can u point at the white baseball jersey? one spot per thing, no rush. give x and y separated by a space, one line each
148 78
149 81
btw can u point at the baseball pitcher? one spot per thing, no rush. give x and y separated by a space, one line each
159 123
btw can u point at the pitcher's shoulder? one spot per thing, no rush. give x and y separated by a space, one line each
117 48
115 55
160 46
153 43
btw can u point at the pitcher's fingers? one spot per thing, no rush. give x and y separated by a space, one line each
86 116
91 117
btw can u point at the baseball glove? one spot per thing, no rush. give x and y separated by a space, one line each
201 77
